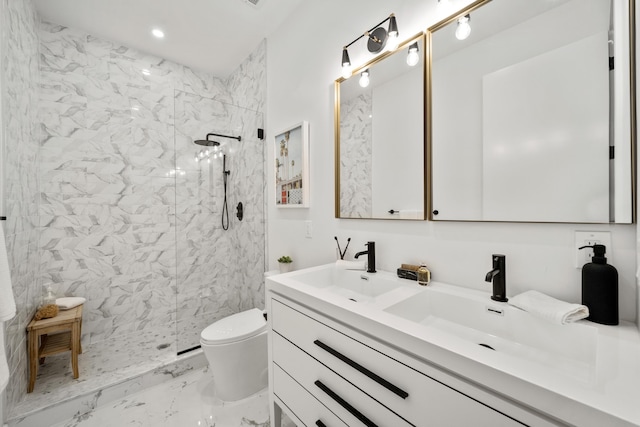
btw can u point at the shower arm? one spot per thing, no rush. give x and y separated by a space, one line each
239 138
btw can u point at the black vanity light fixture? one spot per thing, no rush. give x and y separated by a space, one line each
377 39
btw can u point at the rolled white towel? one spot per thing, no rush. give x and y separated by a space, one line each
351 265
549 308
67 303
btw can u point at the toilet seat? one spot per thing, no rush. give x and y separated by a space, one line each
236 327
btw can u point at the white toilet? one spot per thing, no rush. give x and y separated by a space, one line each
236 349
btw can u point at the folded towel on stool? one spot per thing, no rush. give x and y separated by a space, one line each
67 303
351 265
549 308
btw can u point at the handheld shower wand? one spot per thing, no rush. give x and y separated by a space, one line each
225 207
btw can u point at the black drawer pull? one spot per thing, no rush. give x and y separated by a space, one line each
353 411
320 424
386 384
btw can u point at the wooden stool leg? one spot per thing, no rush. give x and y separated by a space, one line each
33 360
43 342
75 344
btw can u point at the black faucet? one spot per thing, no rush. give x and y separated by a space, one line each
371 256
498 276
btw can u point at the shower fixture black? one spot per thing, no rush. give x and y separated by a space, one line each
209 143
225 173
225 206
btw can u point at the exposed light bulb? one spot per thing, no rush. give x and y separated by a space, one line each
346 64
393 31
157 32
346 71
413 57
463 29
392 34
392 41
364 78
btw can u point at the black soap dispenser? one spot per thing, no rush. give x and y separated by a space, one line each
600 288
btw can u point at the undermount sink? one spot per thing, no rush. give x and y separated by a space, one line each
471 316
354 285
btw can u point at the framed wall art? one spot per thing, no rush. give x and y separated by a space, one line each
291 160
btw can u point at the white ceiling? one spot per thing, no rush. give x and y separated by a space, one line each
208 35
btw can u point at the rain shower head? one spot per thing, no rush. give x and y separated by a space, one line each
208 143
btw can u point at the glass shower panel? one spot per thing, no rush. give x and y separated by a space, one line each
219 272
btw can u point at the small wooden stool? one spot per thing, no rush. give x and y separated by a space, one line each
65 330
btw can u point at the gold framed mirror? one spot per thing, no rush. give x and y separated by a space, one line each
380 145
525 113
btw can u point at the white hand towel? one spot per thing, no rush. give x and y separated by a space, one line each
7 303
350 265
67 303
4 368
549 308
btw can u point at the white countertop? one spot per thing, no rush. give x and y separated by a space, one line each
603 393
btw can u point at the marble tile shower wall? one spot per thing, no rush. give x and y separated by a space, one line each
129 219
212 282
19 97
356 134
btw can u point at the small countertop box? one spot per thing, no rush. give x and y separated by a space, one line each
52 336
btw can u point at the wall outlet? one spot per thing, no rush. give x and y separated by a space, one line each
308 229
589 238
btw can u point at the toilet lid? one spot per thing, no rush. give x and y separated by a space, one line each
235 327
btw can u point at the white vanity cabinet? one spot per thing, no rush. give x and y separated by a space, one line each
318 364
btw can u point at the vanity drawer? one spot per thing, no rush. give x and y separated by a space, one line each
342 398
407 392
301 403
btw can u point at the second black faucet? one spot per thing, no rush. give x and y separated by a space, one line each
498 276
371 256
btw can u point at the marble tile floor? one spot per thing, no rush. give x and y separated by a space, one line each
119 366
184 401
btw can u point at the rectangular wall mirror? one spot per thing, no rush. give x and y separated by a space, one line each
380 142
528 121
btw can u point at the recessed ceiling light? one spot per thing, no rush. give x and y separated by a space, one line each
157 32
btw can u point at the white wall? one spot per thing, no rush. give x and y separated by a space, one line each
300 73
